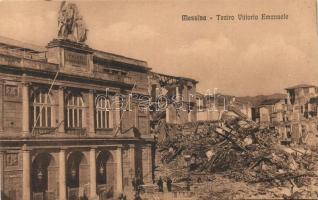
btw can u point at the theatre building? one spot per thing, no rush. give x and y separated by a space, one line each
69 126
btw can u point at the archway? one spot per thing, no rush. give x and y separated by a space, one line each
77 175
43 177
105 175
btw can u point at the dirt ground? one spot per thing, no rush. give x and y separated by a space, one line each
223 187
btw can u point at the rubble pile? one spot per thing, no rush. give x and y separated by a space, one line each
240 149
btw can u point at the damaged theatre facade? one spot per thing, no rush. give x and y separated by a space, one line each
65 128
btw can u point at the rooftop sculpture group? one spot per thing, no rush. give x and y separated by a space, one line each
71 24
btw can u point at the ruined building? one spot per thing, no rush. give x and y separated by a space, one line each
211 107
301 121
295 117
173 98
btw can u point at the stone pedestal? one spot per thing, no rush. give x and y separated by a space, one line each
70 56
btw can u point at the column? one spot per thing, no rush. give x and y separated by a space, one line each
25 109
132 163
92 167
62 172
1 105
91 122
147 163
26 174
117 111
61 111
119 170
177 94
1 173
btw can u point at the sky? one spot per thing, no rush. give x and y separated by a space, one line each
237 57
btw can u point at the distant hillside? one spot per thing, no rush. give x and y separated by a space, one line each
257 100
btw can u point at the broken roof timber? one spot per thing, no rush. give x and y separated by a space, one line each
118 58
176 77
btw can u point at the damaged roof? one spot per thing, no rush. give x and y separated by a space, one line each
270 102
121 59
300 86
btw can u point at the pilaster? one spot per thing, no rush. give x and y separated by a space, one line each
92 158
25 109
61 115
117 111
1 105
91 122
26 189
147 163
1 174
132 162
62 178
119 170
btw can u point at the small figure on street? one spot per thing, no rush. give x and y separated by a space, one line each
160 184
122 197
134 183
84 197
139 184
169 184
137 196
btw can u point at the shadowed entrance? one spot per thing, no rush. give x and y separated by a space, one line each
105 175
77 176
44 178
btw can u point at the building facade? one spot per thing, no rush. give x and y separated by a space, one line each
69 122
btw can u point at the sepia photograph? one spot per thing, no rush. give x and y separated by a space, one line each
158 99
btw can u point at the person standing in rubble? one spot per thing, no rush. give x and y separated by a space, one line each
160 184
169 184
188 183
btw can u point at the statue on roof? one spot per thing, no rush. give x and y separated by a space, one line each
71 25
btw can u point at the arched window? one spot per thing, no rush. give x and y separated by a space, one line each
103 113
41 109
74 110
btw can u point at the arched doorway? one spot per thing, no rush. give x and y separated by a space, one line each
43 177
105 175
77 176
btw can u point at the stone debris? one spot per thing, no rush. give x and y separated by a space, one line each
240 150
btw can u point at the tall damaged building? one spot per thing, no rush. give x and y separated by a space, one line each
174 98
294 117
301 121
